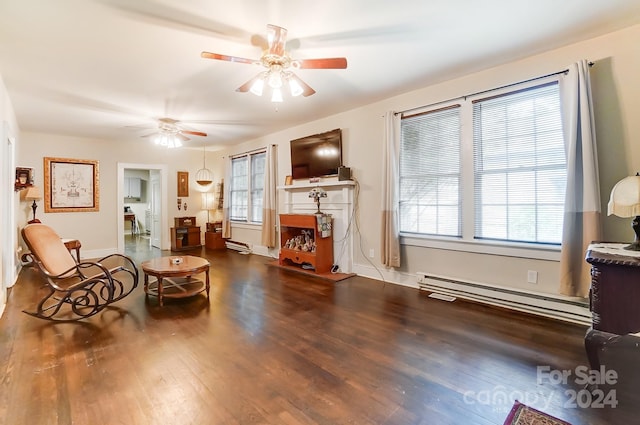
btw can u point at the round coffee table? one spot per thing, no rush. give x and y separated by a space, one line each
175 280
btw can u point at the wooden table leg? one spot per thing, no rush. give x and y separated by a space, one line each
160 290
146 285
207 282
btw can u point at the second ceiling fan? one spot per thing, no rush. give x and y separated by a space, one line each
278 64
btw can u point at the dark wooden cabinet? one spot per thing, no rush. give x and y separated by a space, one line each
614 297
304 227
614 300
185 235
213 236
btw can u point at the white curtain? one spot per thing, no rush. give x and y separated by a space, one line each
269 201
390 250
226 223
582 214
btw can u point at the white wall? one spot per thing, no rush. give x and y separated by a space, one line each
617 108
8 231
98 230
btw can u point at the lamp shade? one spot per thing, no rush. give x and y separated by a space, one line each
625 198
208 201
33 194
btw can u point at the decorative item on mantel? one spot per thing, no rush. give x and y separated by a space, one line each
625 202
316 193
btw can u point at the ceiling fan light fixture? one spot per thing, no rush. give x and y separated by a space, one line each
257 87
276 96
277 64
275 77
295 88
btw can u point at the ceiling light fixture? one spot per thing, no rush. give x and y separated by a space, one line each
168 136
204 176
278 64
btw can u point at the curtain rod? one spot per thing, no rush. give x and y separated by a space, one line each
249 152
564 71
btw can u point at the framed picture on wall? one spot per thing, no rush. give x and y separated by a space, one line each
183 184
71 185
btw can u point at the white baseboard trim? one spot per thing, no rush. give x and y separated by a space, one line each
558 307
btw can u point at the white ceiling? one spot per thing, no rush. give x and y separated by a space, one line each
108 68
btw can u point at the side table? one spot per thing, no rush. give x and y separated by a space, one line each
175 280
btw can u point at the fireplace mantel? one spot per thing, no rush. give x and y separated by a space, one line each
334 184
339 203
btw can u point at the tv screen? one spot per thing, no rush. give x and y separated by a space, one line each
316 156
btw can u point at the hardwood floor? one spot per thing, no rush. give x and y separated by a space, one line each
277 347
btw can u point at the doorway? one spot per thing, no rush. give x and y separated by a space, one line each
149 212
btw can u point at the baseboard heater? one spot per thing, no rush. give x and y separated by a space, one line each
558 307
241 247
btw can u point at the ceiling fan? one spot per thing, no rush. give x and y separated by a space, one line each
171 134
278 64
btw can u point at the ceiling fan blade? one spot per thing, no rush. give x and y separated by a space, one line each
326 63
150 134
306 89
277 37
194 133
247 86
175 17
260 41
182 137
208 55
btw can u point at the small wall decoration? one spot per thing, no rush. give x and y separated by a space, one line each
24 178
71 185
183 184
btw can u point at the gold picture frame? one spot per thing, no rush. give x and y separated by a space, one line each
183 184
71 185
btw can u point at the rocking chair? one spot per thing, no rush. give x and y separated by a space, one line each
76 290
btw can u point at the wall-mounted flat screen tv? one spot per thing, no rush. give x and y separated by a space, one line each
319 155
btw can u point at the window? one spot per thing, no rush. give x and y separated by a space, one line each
246 188
520 166
430 173
492 168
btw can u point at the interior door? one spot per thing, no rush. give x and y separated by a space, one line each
156 202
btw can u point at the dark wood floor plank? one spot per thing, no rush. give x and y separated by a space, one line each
272 346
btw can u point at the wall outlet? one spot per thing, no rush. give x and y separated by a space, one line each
532 276
372 253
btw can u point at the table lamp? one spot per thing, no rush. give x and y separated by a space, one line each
33 194
208 202
625 202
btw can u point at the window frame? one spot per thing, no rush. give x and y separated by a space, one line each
467 242
249 190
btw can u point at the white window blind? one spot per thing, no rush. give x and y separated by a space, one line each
519 166
257 186
430 199
247 187
238 188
